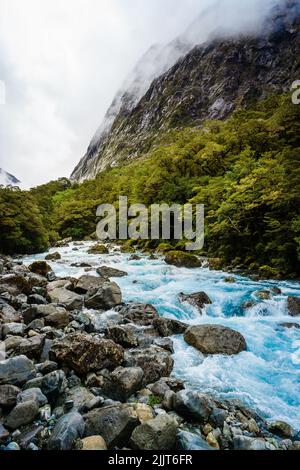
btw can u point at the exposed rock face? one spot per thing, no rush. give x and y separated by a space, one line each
85 353
215 339
209 82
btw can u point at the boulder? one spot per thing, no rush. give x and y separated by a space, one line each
67 429
83 353
181 259
215 339
139 314
36 299
16 371
31 347
198 300
17 329
193 405
123 382
168 327
23 413
106 297
294 306
123 336
114 423
8 314
98 250
58 319
107 272
8 395
53 256
15 284
156 434
52 385
93 443
32 394
85 283
154 361
40 267
70 300
80 396
281 429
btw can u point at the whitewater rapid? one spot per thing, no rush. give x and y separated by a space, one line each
266 377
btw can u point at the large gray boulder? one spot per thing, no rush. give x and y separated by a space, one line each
67 429
84 353
23 413
215 339
16 371
154 361
70 300
106 297
87 282
156 434
193 405
123 382
114 423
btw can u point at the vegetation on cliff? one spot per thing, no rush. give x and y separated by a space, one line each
245 170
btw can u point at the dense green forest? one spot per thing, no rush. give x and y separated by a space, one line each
245 170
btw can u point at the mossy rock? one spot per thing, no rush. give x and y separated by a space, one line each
216 263
127 249
98 250
40 267
266 272
164 248
182 260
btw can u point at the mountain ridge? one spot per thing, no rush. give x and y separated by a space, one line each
208 82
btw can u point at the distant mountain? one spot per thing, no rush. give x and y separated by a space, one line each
6 179
180 85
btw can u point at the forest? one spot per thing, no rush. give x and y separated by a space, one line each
245 170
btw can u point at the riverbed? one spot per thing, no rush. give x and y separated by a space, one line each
266 377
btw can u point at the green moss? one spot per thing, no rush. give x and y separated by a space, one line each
154 400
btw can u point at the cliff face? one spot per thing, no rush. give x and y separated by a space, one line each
208 82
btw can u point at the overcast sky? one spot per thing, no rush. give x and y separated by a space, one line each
62 62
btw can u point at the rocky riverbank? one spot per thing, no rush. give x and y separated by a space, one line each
74 377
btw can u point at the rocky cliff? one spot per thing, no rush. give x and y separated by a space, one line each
209 81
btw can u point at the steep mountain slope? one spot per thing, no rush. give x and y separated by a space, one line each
6 179
208 82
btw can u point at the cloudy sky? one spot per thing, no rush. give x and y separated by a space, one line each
62 62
